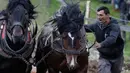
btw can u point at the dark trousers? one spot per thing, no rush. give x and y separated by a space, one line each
110 66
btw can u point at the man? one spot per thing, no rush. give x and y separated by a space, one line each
109 42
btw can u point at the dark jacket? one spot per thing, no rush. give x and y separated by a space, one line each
110 38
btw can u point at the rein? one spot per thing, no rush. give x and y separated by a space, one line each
50 36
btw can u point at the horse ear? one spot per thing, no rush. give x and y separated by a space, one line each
10 1
27 0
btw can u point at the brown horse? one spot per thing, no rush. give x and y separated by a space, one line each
62 43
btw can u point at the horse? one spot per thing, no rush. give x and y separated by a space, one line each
62 43
17 38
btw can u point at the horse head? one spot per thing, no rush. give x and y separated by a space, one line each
70 25
18 16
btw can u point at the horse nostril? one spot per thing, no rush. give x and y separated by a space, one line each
17 31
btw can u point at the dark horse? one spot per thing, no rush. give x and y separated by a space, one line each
62 43
17 38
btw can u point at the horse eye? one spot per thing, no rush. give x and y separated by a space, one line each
64 36
10 12
26 13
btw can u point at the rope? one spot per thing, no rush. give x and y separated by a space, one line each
111 16
38 32
94 40
43 58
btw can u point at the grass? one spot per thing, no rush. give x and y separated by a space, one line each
44 11
3 4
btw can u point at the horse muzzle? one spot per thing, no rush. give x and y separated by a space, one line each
72 61
17 31
17 34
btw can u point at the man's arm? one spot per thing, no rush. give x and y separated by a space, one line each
89 27
111 39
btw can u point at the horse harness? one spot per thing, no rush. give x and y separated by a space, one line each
56 45
7 52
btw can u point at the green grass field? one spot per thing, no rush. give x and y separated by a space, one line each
44 13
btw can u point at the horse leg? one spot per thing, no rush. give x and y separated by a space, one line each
42 68
52 70
83 63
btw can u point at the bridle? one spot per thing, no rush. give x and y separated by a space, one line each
5 33
21 54
80 49
60 50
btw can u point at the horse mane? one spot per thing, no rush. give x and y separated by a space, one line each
71 19
3 15
27 5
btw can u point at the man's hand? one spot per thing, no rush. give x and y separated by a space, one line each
97 45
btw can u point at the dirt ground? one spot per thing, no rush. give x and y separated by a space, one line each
93 67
